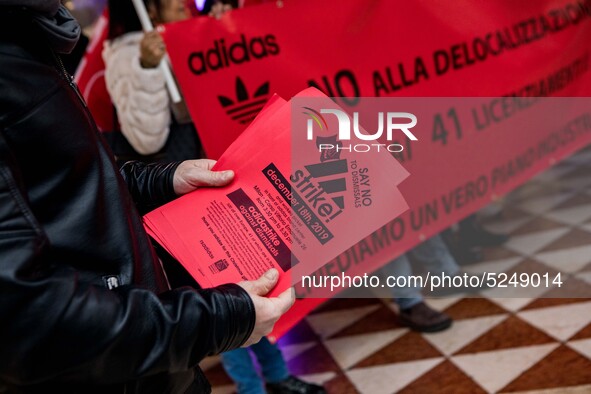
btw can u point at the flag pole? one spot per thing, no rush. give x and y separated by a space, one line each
142 13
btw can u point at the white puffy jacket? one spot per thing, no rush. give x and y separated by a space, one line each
139 94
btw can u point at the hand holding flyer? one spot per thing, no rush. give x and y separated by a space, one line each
292 206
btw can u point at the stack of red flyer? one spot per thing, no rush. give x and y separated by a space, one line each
294 204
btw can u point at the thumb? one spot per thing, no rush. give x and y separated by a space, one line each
265 283
218 178
285 300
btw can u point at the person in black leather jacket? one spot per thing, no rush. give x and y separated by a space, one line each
85 306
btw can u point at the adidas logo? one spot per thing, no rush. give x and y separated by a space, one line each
245 109
226 54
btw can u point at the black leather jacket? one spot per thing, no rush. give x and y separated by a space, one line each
84 303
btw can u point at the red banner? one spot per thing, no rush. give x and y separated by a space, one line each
228 68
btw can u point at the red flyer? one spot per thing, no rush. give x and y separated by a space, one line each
292 205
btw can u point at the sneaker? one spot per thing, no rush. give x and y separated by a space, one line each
293 385
422 318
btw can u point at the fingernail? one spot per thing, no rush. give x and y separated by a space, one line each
271 274
227 175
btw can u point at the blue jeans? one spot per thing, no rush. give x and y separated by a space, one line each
434 255
239 365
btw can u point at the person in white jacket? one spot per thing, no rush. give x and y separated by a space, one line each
139 94
137 86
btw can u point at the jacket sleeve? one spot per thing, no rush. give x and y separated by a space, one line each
140 97
150 185
54 325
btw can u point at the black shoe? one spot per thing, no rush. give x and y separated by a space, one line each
422 318
463 255
480 237
293 385
466 256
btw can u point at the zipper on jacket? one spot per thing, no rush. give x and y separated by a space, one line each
68 77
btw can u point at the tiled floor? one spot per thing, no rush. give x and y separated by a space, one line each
536 342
